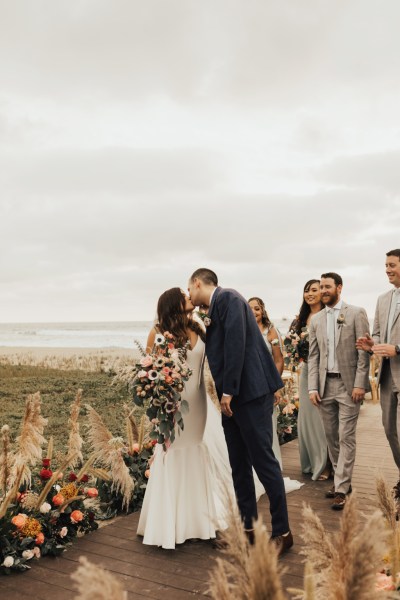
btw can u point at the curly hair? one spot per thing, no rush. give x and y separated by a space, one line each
172 316
265 320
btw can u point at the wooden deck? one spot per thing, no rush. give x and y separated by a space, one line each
179 574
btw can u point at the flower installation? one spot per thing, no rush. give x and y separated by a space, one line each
157 382
42 509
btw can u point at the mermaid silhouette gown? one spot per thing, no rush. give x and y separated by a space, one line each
186 493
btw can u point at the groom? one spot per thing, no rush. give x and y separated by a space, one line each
245 378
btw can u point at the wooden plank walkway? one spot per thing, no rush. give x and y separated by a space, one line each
148 572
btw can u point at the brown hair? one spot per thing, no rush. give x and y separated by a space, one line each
265 320
173 317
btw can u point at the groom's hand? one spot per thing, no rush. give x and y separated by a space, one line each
226 405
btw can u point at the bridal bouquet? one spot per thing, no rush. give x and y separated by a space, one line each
157 382
296 347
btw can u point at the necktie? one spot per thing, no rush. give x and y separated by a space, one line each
331 327
392 312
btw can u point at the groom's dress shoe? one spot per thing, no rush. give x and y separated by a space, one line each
283 543
218 543
250 536
331 492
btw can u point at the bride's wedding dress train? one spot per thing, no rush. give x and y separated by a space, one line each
186 492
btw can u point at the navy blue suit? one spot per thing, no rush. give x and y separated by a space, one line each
242 367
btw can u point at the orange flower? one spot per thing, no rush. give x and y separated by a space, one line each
92 492
147 473
39 539
135 448
58 499
76 516
19 520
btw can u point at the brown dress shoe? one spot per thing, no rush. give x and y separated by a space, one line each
339 501
283 542
331 492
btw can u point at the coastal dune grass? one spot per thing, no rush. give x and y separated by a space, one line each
58 388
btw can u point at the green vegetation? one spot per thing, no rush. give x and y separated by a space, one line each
58 389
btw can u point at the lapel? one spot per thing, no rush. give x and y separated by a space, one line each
387 301
343 311
396 314
323 316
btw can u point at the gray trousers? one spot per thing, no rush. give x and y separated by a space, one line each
390 404
339 415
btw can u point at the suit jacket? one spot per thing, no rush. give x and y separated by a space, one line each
353 364
239 360
379 333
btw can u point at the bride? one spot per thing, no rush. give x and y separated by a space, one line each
185 495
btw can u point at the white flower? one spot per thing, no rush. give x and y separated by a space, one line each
45 508
207 321
152 375
159 339
57 487
63 532
28 554
8 562
36 552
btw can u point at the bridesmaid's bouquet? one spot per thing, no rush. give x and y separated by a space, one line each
157 382
296 348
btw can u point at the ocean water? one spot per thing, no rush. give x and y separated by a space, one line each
116 334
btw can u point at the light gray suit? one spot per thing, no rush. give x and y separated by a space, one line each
389 373
339 412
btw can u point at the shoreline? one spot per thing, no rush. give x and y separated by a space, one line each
41 352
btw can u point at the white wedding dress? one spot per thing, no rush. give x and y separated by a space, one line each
186 493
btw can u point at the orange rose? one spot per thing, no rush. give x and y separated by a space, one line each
147 473
19 520
58 499
92 492
39 539
76 516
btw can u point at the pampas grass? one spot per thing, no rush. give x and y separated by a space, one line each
75 442
388 506
95 583
6 458
345 564
30 440
246 572
109 454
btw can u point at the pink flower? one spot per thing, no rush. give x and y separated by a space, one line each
142 374
147 473
63 532
384 582
36 552
92 492
288 429
146 361
166 370
135 448
39 539
288 409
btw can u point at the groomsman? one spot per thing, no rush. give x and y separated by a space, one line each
385 342
338 377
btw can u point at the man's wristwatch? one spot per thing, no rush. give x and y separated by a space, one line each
397 348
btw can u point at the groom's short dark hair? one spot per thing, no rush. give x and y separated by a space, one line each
336 278
394 253
206 276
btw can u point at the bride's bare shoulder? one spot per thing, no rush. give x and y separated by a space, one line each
150 339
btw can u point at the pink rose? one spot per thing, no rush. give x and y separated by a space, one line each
288 429
147 473
384 582
166 370
288 409
142 374
135 448
92 492
146 361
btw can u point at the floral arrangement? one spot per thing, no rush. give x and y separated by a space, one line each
288 407
157 382
296 348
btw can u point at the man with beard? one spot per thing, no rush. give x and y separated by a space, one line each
338 377
385 342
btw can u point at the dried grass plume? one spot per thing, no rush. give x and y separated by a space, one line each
95 583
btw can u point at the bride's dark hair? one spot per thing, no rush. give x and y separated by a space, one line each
172 316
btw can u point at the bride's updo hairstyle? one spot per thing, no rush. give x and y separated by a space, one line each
173 317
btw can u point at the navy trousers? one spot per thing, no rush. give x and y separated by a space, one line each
248 435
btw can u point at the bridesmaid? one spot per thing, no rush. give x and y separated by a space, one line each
311 434
274 344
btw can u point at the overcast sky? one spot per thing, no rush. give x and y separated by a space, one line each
140 140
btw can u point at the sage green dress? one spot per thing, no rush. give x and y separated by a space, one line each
311 434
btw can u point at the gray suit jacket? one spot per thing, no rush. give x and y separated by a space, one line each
353 364
379 333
